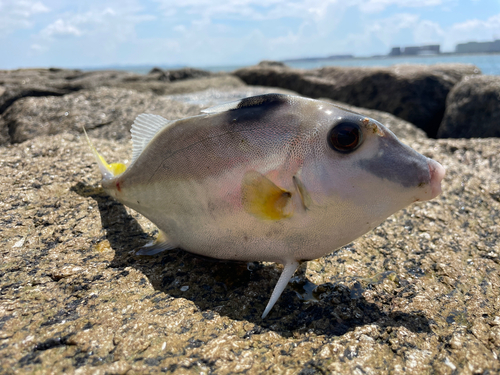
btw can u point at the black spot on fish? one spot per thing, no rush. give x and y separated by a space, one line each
262 100
255 110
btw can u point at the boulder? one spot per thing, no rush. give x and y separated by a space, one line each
178 74
17 84
272 63
221 82
415 93
472 109
111 111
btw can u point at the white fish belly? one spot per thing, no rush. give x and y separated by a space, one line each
207 217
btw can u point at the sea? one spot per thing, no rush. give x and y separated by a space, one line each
488 63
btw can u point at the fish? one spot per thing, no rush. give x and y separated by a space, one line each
274 178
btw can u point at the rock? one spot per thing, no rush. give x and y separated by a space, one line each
272 63
472 109
419 294
17 84
66 79
179 74
111 111
223 81
416 93
12 93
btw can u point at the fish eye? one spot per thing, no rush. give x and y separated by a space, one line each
345 137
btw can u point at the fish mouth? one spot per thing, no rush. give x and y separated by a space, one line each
436 173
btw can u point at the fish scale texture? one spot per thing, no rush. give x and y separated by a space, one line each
419 294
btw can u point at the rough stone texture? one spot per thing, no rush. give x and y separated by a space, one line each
72 80
109 110
178 74
472 109
420 294
416 93
17 84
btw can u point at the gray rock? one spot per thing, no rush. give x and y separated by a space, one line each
178 74
272 63
17 84
416 93
110 111
472 109
222 81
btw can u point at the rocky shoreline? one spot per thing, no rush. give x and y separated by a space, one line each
419 294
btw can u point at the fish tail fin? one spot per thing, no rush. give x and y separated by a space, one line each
108 171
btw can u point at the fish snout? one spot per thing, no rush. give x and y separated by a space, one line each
436 172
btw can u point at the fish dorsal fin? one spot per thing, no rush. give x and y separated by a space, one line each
145 127
253 101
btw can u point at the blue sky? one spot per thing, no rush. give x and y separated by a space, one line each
200 33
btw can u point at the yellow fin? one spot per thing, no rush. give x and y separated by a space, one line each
263 199
117 168
108 170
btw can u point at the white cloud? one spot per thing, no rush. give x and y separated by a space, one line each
275 9
378 36
371 6
428 32
15 15
180 28
246 9
472 30
60 27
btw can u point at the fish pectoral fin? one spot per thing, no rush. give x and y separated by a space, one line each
263 199
162 243
285 277
306 199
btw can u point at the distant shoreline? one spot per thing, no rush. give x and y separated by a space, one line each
382 57
489 63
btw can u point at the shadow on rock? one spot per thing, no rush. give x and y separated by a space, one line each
241 290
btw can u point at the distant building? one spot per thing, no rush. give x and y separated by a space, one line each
433 49
478 47
395 51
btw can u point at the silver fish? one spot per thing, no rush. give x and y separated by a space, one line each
268 178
